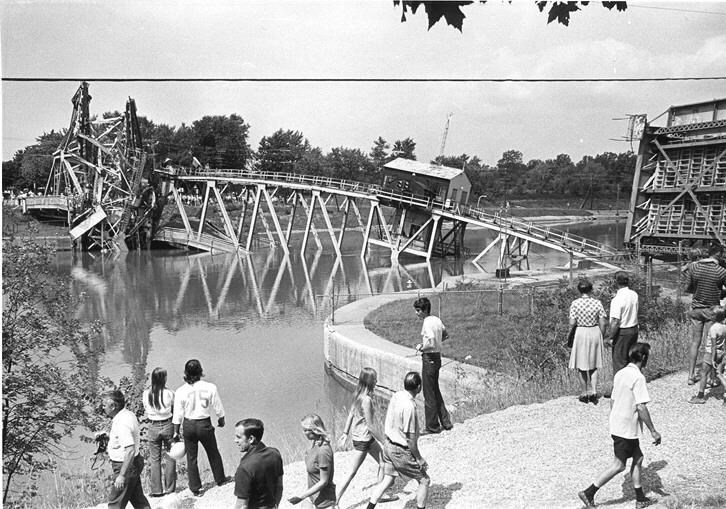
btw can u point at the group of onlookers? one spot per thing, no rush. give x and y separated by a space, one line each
706 280
185 413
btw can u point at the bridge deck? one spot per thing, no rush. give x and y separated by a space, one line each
550 237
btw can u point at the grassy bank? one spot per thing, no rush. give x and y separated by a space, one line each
525 343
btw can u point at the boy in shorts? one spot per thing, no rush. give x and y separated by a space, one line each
400 451
628 413
713 357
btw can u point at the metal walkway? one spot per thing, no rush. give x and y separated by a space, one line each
514 236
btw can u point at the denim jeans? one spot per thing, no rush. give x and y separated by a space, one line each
162 467
194 432
436 414
131 491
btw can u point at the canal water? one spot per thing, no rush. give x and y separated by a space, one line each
255 322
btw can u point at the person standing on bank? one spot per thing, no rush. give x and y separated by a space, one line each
123 451
623 321
192 402
319 464
400 452
588 315
258 481
628 413
159 403
433 333
707 279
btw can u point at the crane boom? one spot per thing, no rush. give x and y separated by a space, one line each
446 133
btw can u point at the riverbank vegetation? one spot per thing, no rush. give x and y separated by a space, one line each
525 344
50 367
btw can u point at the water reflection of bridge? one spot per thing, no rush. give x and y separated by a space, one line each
133 293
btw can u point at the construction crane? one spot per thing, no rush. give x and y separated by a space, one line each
446 133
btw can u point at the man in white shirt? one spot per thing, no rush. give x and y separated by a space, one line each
123 451
628 412
433 333
400 452
623 321
192 402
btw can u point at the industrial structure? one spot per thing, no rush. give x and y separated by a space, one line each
101 178
113 197
678 199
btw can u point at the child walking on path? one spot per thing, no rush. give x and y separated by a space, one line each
360 428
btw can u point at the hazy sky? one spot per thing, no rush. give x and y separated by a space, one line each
364 39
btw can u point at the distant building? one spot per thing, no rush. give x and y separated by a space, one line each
427 180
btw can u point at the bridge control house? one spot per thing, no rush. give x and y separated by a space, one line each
442 183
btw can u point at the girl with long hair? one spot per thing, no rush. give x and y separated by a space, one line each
360 427
319 464
158 402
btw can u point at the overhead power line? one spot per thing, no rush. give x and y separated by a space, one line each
363 80
676 9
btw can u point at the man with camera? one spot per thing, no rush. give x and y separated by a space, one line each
123 451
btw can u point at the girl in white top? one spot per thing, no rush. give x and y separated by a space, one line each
158 402
360 428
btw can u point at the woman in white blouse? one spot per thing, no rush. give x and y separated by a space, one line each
158 403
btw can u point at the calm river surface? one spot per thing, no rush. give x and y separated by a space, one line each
255 322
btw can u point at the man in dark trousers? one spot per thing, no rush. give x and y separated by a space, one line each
707 279
258 481
433 333
628 413
123 451
623 321
192 404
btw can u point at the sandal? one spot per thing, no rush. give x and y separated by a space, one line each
713 383
693 380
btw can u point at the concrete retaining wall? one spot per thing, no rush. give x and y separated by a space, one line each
349 347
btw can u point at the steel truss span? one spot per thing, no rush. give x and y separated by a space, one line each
437 229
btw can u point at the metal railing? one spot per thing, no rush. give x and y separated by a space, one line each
563 238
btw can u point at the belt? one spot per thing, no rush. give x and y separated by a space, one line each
633 327
397 445
162 421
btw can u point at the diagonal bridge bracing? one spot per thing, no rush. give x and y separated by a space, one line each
417 226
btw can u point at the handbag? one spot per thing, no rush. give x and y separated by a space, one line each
571 336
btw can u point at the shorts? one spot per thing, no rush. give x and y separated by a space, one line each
363 445
398 460
625 448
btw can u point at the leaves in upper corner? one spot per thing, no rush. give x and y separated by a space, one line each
621 6
450 11
560 11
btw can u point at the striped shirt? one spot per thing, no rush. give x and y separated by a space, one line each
708 278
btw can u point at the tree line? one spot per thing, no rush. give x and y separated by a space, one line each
223 142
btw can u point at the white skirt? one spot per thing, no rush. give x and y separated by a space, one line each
587 349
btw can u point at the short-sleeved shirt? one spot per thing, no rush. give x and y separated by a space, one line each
194 401
586 311
432 331
629 390
708 279
124 433
166 405
401 418
257 476
624 307
360 429
320 457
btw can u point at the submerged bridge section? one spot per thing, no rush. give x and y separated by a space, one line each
411 224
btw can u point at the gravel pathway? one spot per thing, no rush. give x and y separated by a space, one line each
541 455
